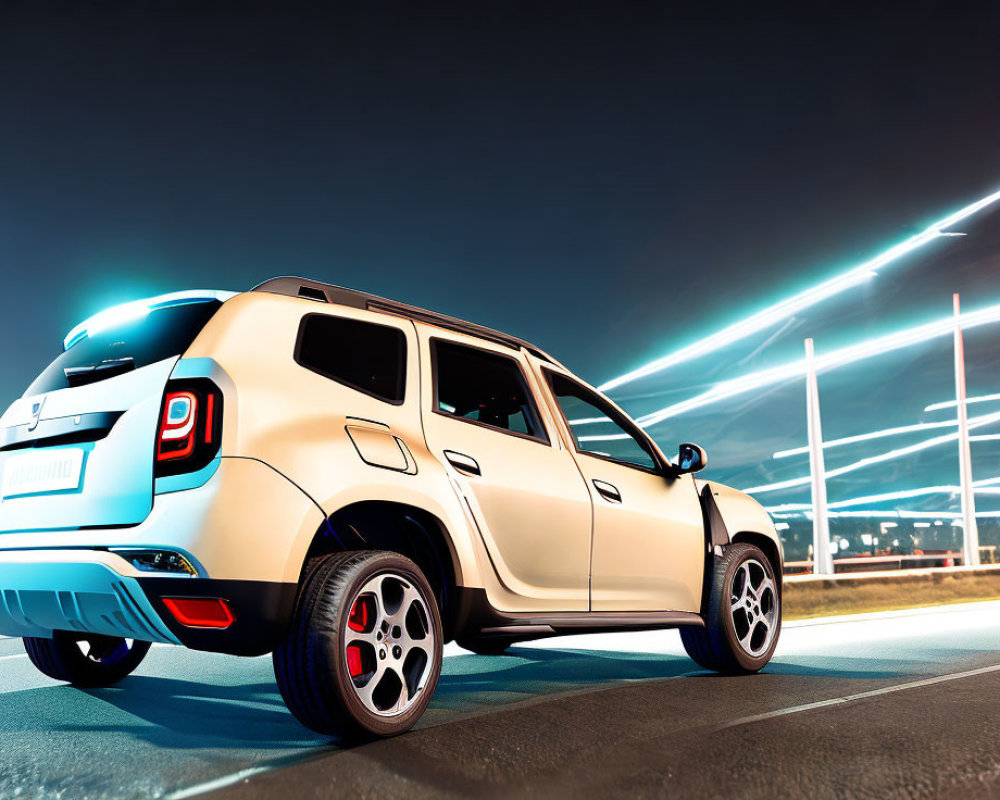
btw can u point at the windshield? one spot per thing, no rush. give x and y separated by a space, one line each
162 333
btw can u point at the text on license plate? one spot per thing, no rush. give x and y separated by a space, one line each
42 471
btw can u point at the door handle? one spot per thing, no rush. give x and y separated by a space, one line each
607 491
463 463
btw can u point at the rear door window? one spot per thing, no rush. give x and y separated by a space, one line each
485 388
364 356
162 333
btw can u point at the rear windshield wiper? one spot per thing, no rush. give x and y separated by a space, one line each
91 373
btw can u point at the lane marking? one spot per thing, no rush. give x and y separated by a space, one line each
218 783
851 698
19 655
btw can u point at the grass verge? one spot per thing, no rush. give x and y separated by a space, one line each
821 598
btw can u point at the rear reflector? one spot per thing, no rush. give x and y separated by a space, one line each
200 612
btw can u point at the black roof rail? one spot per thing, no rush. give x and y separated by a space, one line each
327 292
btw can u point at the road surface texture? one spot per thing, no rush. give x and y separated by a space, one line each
886 705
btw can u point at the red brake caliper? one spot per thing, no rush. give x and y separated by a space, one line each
357 620
354 666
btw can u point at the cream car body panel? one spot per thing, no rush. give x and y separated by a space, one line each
742 514
528 501
649 543
300 422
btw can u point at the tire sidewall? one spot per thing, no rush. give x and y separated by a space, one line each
383 563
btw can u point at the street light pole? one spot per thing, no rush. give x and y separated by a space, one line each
822 559
970 533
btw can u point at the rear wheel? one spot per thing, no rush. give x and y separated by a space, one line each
85 660
363 654
743 617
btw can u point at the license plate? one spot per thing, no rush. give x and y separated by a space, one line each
40 472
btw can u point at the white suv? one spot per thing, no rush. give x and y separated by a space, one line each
349 482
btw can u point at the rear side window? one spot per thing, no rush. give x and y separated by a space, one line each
483 387
162 333
365 356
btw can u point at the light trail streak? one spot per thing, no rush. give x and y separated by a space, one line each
837 358
786 308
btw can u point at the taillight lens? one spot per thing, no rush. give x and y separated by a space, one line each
190 427
177 431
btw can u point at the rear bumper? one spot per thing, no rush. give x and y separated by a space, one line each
42 591
93 591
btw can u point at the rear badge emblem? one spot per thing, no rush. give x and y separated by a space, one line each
36 413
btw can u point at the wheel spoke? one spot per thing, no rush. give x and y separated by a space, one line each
741 580
365 692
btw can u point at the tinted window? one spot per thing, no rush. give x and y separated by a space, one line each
162 333
484 387
597 427
362 355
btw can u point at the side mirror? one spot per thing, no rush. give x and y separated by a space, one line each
691 458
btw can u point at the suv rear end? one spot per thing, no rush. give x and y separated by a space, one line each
112 479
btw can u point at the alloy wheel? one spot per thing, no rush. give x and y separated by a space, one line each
754 607
389 644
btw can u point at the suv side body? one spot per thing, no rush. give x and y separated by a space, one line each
523 526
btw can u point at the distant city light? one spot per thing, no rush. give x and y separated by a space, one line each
880 514
786 308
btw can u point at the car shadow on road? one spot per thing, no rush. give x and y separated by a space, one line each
182 714
176 713
473 683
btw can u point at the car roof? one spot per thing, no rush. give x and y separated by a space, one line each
338 295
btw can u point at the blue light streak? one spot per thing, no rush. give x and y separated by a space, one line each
786 308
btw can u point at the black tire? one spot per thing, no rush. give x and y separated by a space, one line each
107 661
487 646
717 646
314 669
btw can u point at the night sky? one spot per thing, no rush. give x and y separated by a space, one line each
608 180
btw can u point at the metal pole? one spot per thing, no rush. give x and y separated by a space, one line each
822 559
970 533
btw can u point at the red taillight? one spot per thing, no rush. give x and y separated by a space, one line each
209 417
190 428
177 428
200 612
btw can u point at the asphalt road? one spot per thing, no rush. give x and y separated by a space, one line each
878 706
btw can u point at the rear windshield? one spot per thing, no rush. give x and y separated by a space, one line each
163 333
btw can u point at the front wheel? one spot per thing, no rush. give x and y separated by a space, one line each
743 617
86 660
363 654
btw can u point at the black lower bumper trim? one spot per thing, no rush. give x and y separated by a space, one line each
263 611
